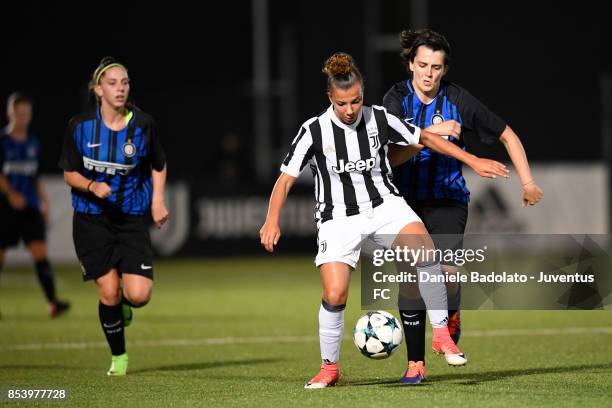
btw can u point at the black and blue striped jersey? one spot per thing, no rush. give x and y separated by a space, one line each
429 175
123 159
19 164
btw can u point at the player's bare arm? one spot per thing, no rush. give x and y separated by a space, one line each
270 233
532 193
401 154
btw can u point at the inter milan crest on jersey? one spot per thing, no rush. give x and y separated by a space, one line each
437 118
129 150
31 152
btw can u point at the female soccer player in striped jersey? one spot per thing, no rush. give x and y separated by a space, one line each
433 183
346 148
114 162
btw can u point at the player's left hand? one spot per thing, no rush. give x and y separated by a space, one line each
489 168
532 194
159 213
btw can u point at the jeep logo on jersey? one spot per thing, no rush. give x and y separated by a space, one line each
359 165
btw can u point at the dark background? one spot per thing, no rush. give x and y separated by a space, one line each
537 64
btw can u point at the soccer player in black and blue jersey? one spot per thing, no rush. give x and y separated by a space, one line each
24 210
432 183
113 160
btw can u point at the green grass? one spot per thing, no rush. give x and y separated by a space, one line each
260 303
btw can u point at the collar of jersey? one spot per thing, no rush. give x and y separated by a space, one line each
334 118
99 114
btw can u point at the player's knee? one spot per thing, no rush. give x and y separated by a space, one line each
335 296
138 297
110 295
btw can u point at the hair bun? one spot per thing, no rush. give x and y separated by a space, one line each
339 64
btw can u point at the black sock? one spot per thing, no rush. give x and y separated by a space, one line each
454 300
111 319
45 277
414 322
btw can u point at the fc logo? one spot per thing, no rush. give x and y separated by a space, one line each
323 246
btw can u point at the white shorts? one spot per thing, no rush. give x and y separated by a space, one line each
340 239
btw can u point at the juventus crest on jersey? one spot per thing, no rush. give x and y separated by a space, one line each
349 162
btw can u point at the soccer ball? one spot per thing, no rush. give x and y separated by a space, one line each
377 334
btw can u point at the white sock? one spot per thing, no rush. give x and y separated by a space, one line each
434 296
331 328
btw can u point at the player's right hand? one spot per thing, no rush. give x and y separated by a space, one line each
17 200
100 189
269 235
489 168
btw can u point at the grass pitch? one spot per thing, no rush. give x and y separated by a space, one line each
243 332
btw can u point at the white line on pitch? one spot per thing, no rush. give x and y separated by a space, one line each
214 341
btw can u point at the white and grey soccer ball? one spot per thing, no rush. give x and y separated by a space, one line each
377 334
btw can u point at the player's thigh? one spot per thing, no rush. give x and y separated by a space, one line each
10 230
134 246
446 221
95 244
396 224
33 231
339 240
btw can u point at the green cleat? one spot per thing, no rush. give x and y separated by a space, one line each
127 315
119 365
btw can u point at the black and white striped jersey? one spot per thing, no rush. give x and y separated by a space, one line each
349 162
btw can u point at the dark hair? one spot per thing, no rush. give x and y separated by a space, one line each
18 97
410 42
341 71
96 76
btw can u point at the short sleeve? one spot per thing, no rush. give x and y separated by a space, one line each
478 120
401 132
299 154
157 155
70 159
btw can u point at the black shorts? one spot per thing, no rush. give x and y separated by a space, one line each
445 221
27 225
107 241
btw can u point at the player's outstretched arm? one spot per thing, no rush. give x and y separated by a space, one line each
270 233
484 167
401 154
532 193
